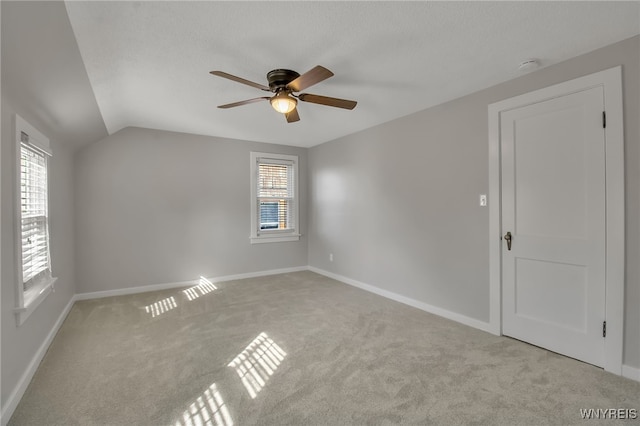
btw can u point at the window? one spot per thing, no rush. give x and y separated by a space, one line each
34 271
274 198
33 209
269 214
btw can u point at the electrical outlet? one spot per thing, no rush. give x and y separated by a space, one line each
330 257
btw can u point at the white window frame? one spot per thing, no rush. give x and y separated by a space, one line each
266 235
27 301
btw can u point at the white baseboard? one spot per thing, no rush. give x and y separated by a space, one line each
632 373
258 274
133 290
627 371
462 319
25 379
166 286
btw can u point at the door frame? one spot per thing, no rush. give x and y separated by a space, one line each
611 81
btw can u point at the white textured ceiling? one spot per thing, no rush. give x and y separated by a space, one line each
149 62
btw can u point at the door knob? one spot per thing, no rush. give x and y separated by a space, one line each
507 237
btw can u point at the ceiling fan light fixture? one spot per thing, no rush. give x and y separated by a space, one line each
283 103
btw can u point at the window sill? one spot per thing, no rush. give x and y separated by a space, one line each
275 238
33 298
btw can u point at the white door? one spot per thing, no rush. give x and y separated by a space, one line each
553 206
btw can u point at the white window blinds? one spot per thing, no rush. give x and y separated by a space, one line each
275 193
34 214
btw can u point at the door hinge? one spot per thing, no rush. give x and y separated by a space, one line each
604 329
604 119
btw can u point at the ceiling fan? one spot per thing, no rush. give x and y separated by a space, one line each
284 83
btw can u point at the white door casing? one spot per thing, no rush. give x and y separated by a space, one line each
561 240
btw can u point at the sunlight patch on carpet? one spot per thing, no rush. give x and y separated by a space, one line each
204 287
257 363
209 409
161 306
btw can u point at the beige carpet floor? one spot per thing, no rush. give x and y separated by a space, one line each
299 349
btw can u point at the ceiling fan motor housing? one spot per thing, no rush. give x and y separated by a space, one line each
279 78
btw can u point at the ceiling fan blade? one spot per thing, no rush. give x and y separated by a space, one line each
311 77
248 101
325 100
240 80
292 116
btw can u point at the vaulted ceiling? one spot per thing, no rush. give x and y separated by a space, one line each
148 62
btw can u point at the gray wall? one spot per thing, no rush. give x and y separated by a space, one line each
43 80
397 204
20 344
156 207
43 69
